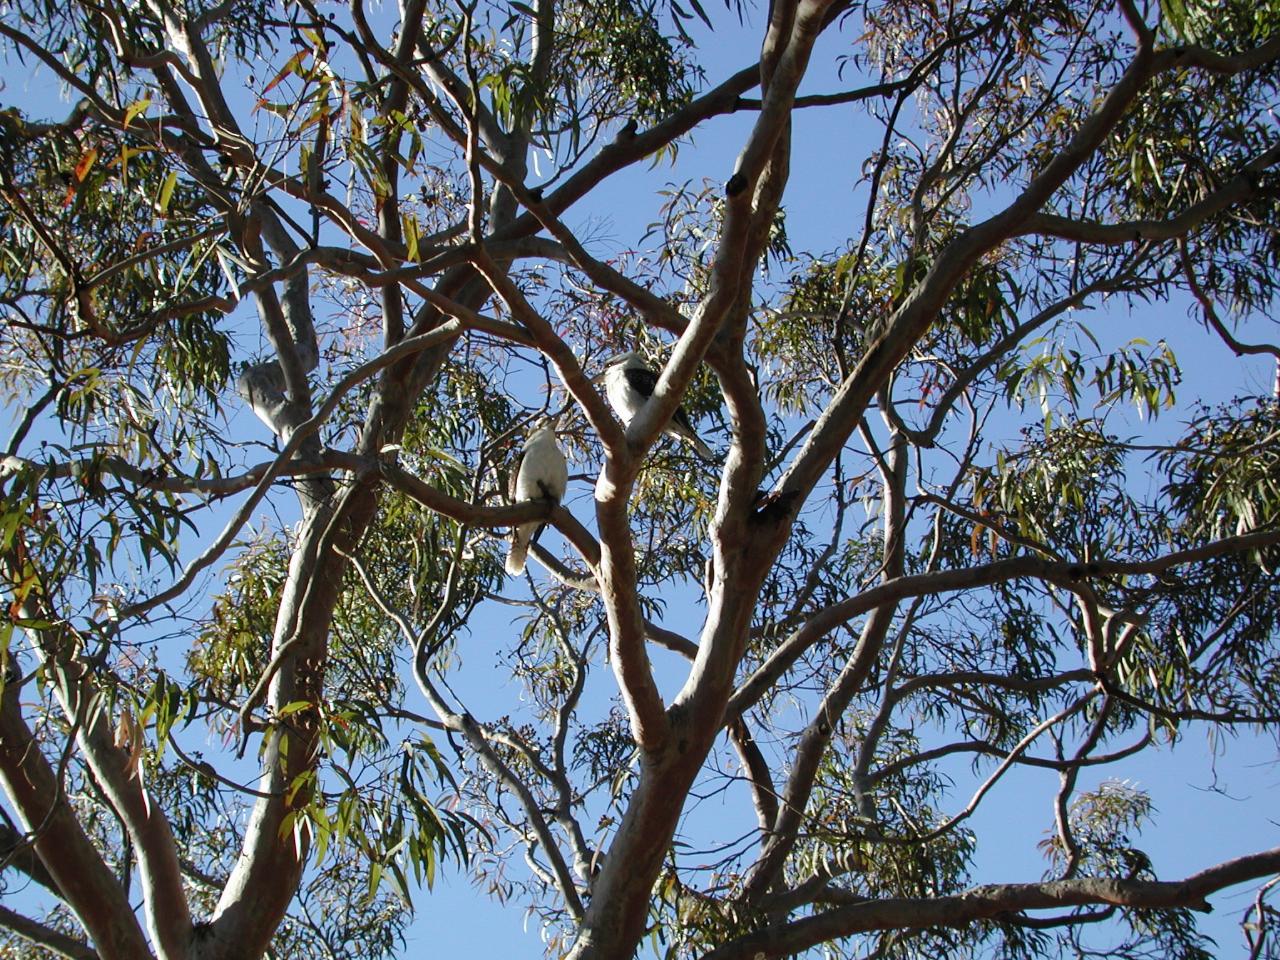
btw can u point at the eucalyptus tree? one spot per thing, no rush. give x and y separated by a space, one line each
239 714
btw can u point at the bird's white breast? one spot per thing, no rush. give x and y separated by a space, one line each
624 399
542 465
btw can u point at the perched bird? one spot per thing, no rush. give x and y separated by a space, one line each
629 384
540 475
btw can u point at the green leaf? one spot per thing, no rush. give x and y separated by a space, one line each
134 109
166 192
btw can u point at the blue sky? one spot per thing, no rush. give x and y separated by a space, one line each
1211 799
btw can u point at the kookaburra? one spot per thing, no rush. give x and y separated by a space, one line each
629 383
541 474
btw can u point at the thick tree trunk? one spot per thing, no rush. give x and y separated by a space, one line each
269 870
72 861
615 920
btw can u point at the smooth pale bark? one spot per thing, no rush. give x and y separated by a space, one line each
674 740
117 771
83 879
159 874
992 900
267 873
615 917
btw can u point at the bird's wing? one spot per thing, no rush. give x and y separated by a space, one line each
641 379
681 427
681 419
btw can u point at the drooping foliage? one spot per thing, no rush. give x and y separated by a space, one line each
994 494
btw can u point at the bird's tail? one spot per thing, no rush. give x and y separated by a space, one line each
691 438
521 537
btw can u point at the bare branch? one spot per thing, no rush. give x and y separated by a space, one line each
1066 575
993 900
1238 189
403 349
1211 313
83 880
476 737
47 937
